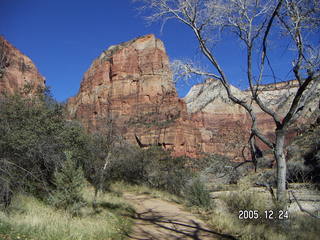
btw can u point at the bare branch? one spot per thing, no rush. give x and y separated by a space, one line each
187 68
253 23
301 208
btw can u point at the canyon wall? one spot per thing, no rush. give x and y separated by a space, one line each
228 124
17 70
131 84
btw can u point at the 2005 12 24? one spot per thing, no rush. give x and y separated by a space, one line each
267 214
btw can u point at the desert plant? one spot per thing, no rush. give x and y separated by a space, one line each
30 146
33 136
304 156
197 194
298 171
153 167
31 218
218 169
162 171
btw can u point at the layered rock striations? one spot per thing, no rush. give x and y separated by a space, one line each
223 125
17 70
131 84
228 124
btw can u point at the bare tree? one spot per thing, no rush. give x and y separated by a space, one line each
254 23
105 146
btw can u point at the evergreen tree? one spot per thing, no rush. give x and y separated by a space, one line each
69 182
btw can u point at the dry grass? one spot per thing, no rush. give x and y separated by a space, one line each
227 220
30 218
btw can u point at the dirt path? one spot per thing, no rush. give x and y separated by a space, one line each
157 219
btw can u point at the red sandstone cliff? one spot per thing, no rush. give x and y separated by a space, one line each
132 84
16 69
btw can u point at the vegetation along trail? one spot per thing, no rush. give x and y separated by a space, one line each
159 219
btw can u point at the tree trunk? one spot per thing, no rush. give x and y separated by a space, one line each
281 166
94 202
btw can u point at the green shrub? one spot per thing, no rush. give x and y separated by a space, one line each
162 171
33 136
129 166
197 194
30 218
304 156
247 198
237 201
153 166
69 182
165 172
30 146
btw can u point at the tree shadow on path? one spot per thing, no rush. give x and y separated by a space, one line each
151 225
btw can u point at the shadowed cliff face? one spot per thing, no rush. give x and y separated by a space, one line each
17 70
131 84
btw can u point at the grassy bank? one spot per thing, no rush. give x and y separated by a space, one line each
121 186
224 217
30 218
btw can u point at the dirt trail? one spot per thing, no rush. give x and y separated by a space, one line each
157 219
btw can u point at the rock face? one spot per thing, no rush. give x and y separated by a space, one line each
131 84
223 126
228 124
16 69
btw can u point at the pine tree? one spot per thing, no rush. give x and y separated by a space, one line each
69 182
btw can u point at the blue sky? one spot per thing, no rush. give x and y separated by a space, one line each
63 37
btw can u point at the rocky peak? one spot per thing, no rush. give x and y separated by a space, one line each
137 61
132 82
211 96
16 69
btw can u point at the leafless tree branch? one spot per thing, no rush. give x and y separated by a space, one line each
253 22
301 208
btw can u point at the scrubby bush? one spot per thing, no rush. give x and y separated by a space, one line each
219 169
129 166
265 162
312 160
30 146
165 172
197 194
241 200
248 198
297 171
153 166
33 137
304 156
